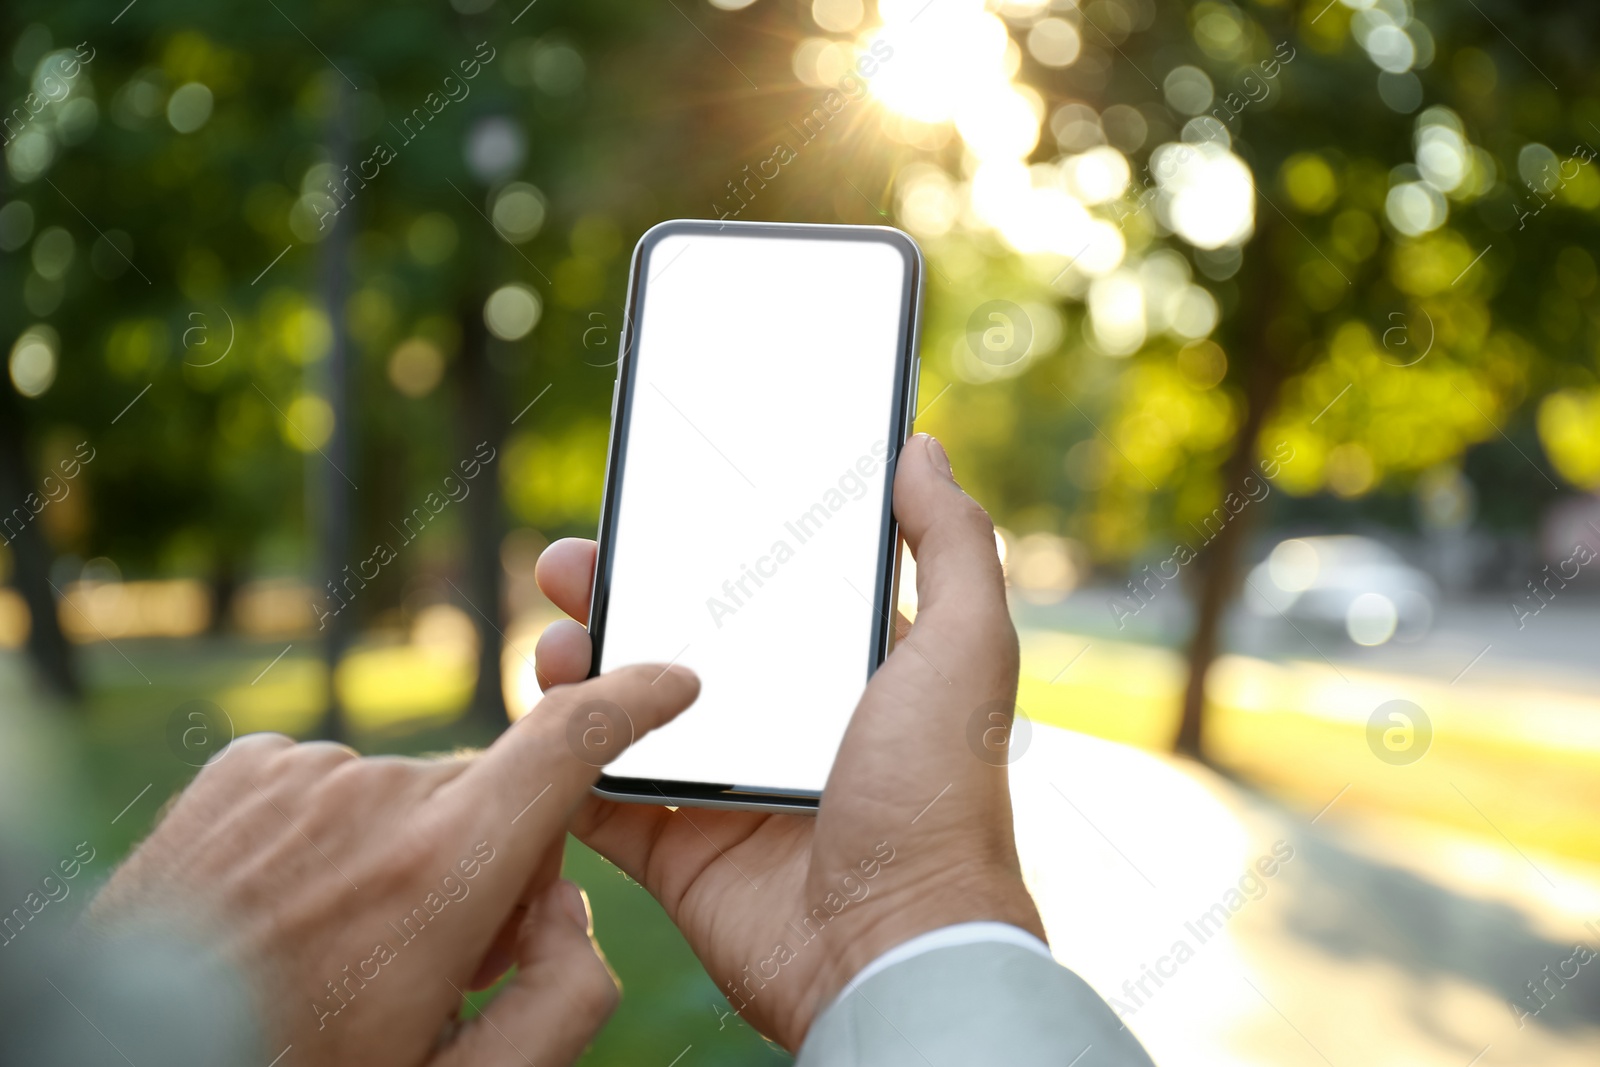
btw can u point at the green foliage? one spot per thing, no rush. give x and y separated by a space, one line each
1473 329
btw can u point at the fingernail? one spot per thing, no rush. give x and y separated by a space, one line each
941 460
575 904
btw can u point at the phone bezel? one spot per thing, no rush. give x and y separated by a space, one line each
901 415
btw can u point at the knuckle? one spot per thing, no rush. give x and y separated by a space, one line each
242 755
313 757
557 700
330 751
549 719
976 512
308 760
595 991
346 781
977 520
347 778
255 746
562 703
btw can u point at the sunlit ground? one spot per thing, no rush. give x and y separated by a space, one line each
1379 940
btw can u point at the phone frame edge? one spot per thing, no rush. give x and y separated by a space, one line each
908 365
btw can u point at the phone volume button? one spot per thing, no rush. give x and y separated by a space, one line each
916 391
616 390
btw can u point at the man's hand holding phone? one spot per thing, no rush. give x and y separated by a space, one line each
914 831
363 895
341 884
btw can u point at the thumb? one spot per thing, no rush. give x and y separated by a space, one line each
562 995
958 567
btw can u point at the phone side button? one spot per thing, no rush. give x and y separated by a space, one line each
616 389
916 390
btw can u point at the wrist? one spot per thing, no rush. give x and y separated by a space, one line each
892 923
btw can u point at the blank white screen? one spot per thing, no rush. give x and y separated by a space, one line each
763 390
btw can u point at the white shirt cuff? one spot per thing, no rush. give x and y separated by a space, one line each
947 937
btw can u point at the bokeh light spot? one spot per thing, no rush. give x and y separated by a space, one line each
33 360
189 107
511 312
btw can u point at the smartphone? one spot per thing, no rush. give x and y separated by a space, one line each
766 383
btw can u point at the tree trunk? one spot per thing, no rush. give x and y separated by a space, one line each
31 556
1262 371
333 469
224 591
482 422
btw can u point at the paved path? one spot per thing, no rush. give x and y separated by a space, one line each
1370 943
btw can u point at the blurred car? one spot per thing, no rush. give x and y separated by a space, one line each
1344 582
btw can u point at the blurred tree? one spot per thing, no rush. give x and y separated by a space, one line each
28 553
1232 227
332 480
254 347
1291 248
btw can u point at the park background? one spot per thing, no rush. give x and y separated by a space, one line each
1208 282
